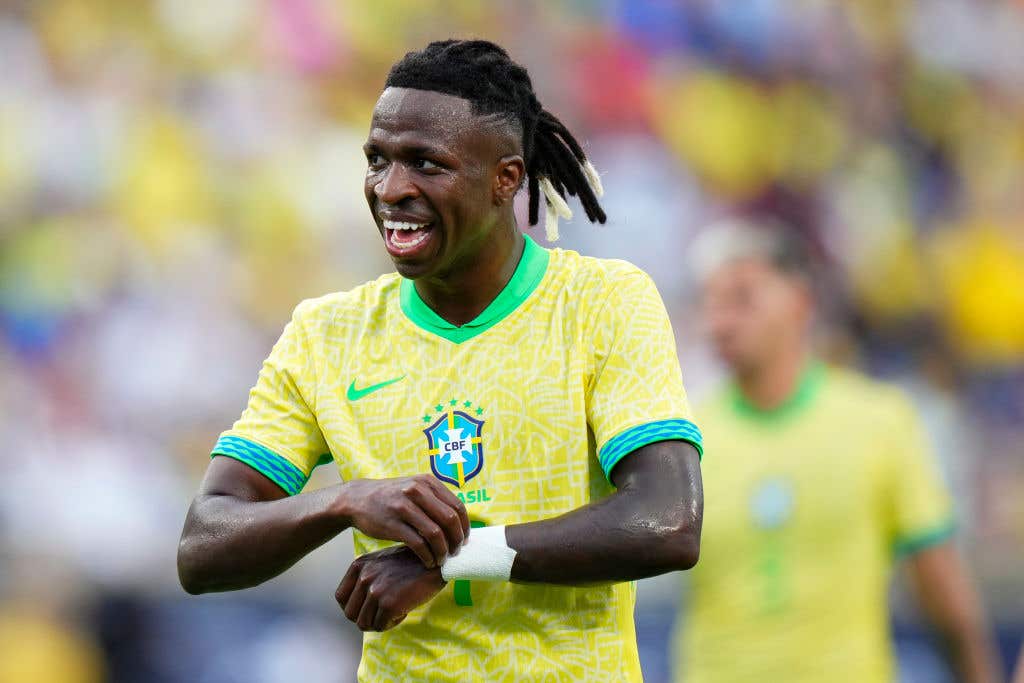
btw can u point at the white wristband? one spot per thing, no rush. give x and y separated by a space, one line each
485 556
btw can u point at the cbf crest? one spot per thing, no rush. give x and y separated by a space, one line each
455 441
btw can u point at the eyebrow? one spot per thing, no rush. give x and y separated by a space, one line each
414 149
426 149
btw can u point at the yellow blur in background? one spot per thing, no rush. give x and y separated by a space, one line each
175 175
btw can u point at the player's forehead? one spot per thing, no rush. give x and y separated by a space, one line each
425 118
742 272
424 109
423 115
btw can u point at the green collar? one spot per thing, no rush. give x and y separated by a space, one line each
528 274
809 387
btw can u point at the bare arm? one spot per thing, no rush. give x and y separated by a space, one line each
951 603
242 529
650 525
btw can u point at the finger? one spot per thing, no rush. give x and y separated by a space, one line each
346 585
444 516
368 612
452 501
386 616
411 537
355 601
464 518
429 532
394 622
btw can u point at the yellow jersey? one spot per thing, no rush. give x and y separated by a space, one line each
806 508
523 412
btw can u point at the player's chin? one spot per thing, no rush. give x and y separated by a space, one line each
422 264
413 270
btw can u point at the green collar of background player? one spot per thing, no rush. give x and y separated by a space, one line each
810 383
528 274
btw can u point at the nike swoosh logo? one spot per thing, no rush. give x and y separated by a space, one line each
354 394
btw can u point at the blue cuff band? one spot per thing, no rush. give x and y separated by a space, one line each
633 438
926 538
265 461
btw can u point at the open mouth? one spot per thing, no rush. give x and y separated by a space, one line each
406 239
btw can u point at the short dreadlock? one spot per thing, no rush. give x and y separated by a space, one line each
484 74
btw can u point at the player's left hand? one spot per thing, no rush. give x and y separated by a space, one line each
381 588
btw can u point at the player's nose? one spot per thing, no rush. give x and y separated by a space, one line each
396 185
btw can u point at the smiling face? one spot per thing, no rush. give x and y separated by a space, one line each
439 180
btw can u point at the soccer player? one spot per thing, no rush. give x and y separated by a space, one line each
533 394
821 479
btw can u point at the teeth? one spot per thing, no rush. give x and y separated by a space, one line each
403 245
400 225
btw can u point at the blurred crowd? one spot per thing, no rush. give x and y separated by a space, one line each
175 175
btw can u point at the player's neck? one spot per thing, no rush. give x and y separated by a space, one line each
773 384
462 295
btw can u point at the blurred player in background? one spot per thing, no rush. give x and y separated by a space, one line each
540 386
821 479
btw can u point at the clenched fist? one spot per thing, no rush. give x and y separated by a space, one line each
381 588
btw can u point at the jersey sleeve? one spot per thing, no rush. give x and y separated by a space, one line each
918 503
278 434
635 395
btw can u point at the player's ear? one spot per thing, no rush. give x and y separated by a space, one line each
508 177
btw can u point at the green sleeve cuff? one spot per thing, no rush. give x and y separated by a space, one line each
265 461
926 538
625 442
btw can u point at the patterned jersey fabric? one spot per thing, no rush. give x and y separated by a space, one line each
523 412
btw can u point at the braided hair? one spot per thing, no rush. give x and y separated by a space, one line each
484 74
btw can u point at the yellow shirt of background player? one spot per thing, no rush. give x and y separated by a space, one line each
806 509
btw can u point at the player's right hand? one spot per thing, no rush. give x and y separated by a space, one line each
381 588
417 511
